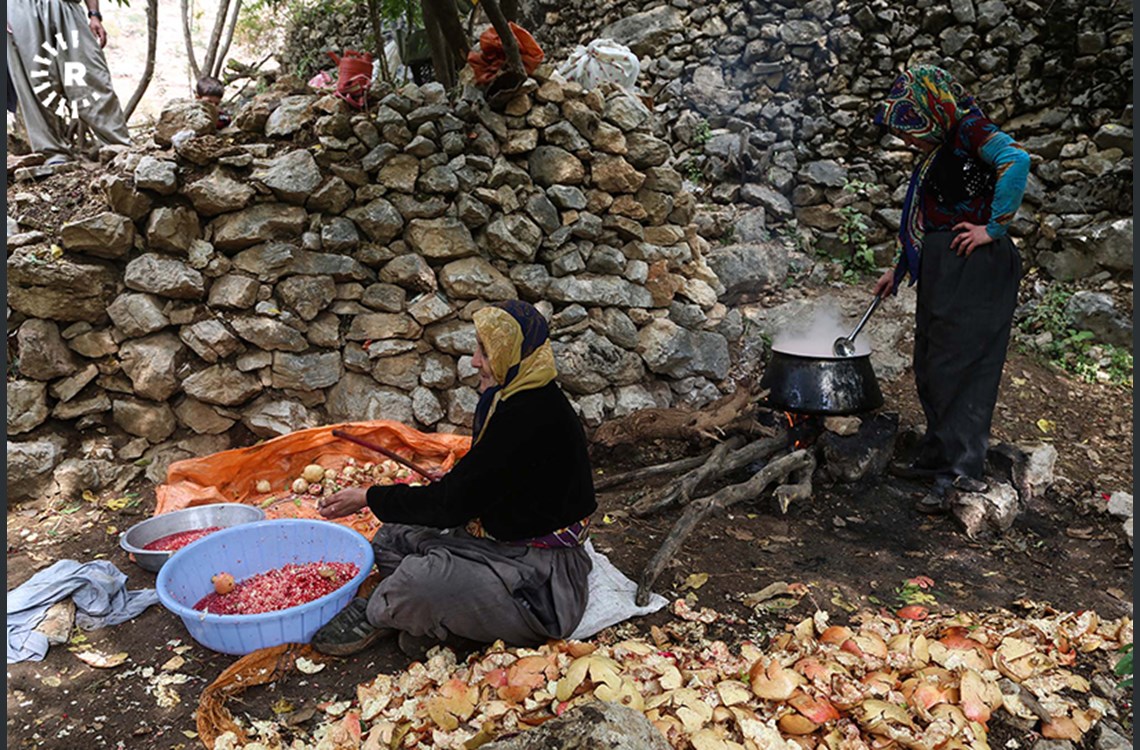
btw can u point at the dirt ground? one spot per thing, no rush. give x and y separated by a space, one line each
853 545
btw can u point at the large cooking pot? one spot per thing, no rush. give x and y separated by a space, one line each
821 385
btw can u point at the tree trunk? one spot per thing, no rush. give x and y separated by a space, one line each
227 39
441 57
151 52
215 37
510 44
378 38
195 71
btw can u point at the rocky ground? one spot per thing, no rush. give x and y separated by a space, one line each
854 546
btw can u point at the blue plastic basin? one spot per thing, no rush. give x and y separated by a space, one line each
245 551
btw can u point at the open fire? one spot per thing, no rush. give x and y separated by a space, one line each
803 429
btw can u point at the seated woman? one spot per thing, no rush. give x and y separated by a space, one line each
492 550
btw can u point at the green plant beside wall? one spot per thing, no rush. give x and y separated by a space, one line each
1048 332
853 233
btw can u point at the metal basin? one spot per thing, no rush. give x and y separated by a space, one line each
199 517
821 385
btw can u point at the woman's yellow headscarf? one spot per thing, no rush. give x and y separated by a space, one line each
516 343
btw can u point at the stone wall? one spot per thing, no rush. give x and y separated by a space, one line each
770 102
323 266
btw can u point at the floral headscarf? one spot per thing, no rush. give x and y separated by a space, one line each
516 343
926 103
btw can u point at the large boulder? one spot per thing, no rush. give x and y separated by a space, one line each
646 33
292 114
551 165
27 405
306 372
514 238
292 176
475 278
669 349
218 193
1107 243
152 365
222 385
104 235
29 467
1096 312
258 223
43 353
155 422
592 363
444 238
269 418
137 314
379 219
749 268
597 725
269 333
164 277
172 228
358 397
184 114
63 290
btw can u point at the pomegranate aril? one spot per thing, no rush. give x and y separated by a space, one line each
177 541
281 588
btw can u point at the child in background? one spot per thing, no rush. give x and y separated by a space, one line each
209 89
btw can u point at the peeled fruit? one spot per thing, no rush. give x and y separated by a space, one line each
223 583
313 473
773 681
264 486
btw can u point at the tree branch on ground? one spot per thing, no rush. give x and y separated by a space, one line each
799 463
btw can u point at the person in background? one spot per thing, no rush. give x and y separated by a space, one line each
963 194
493 549
210 89
56 62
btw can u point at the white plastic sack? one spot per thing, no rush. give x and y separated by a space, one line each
612 597
599 61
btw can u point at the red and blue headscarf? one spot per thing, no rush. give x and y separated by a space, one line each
516 342
926 103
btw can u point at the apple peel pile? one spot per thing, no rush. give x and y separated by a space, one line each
881 682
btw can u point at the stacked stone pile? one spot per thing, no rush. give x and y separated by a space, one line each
768 104
324 266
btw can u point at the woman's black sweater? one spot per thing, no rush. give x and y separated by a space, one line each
528 476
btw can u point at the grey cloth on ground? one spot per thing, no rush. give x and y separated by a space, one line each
73 66
964 313
446 582
99 591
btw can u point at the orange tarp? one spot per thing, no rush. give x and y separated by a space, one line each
232 476
486 61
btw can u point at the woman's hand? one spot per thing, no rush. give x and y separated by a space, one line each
969 238
885 286
344 503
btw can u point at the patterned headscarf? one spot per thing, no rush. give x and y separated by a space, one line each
926 103
516 343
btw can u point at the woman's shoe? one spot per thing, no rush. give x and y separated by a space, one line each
349 632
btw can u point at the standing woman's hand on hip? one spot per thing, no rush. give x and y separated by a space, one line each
969 238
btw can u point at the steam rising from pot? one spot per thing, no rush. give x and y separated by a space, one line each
815 336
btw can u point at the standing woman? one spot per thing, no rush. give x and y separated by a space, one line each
954 237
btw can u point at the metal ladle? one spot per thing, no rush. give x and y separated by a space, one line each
844 346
